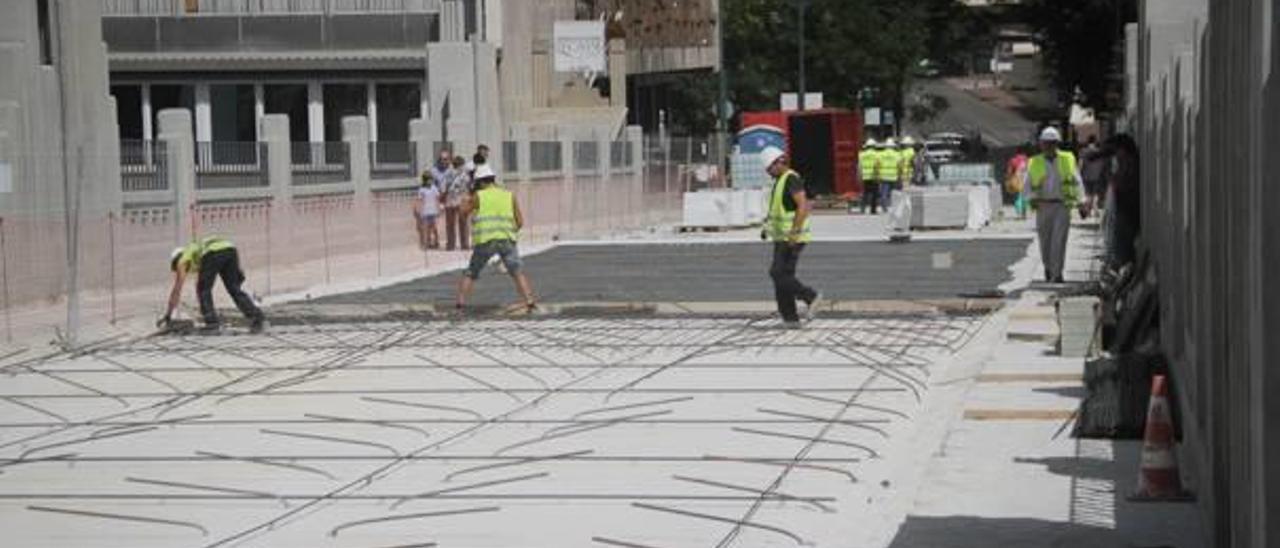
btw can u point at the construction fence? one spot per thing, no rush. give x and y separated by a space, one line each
306 218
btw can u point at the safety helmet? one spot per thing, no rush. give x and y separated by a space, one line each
771 155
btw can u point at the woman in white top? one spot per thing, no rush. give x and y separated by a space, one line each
426 210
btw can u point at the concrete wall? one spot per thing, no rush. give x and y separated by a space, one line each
1207 118
57 133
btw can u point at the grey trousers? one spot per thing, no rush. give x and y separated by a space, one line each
1053 222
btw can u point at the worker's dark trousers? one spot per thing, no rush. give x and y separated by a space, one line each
871 196
224 263
785 285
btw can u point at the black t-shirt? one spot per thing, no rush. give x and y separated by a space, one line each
794 183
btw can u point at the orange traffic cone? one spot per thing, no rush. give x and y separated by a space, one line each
1158 479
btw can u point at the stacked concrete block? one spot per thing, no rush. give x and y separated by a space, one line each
1077 320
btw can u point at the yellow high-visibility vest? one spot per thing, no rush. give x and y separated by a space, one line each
780 220
495 216
867 164
1038 171
889 160
193 252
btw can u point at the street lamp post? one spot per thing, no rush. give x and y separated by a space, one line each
801 7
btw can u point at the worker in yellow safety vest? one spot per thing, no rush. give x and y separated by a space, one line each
890 171
210 258
787 226
868 159
1053 183
907 161
496 221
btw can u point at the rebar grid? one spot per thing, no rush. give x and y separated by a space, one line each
529 400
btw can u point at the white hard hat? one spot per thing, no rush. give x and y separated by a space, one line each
871 143
890 142
1050 134
173 257
483 171
908 141
770 155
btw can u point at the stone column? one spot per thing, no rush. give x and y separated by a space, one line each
420 136
618 73
175 133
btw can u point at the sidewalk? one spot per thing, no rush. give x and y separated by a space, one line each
1008 472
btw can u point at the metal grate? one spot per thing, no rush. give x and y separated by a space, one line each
231 164
144 165
320 163
393 160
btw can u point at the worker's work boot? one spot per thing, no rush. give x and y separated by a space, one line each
257 326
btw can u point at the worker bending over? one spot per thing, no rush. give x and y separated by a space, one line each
210 258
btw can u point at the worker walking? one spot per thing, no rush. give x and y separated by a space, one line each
867 159
1052 182
496 221
890 171
211 257
787 226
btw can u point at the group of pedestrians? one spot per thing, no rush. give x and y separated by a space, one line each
446 186
887 167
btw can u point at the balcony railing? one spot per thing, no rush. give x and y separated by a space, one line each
393 160
169 8
231 165
144 165
320 163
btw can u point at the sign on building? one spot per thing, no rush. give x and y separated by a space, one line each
580 46
812 101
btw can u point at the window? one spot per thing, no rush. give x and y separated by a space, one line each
397 105
292 100
44 25
232 110
343 100
128 111
164 96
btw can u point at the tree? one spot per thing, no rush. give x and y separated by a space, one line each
1079 40
851 45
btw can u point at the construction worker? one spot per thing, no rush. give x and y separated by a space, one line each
495 226
788 227
890 171
907 155
1052 182
867 159
211 257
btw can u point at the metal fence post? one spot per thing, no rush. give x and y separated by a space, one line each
4 278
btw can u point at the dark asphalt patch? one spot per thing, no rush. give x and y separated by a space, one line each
729 272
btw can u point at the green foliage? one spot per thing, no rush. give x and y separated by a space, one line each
851 45
1080 40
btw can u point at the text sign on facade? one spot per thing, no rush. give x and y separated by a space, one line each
580 46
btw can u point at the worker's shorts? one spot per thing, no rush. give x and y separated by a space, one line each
503 249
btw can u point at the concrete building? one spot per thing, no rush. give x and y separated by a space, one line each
472 70
59 161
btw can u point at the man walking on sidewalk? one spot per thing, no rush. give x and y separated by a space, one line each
495 225
788 227
1053 184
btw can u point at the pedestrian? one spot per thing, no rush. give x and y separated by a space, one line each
456 189
1014 173
890 171
788 227
495 228
1125 207
920 165
426 211
210 258
867 159
481 157
440 169
1094 167
1053 184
